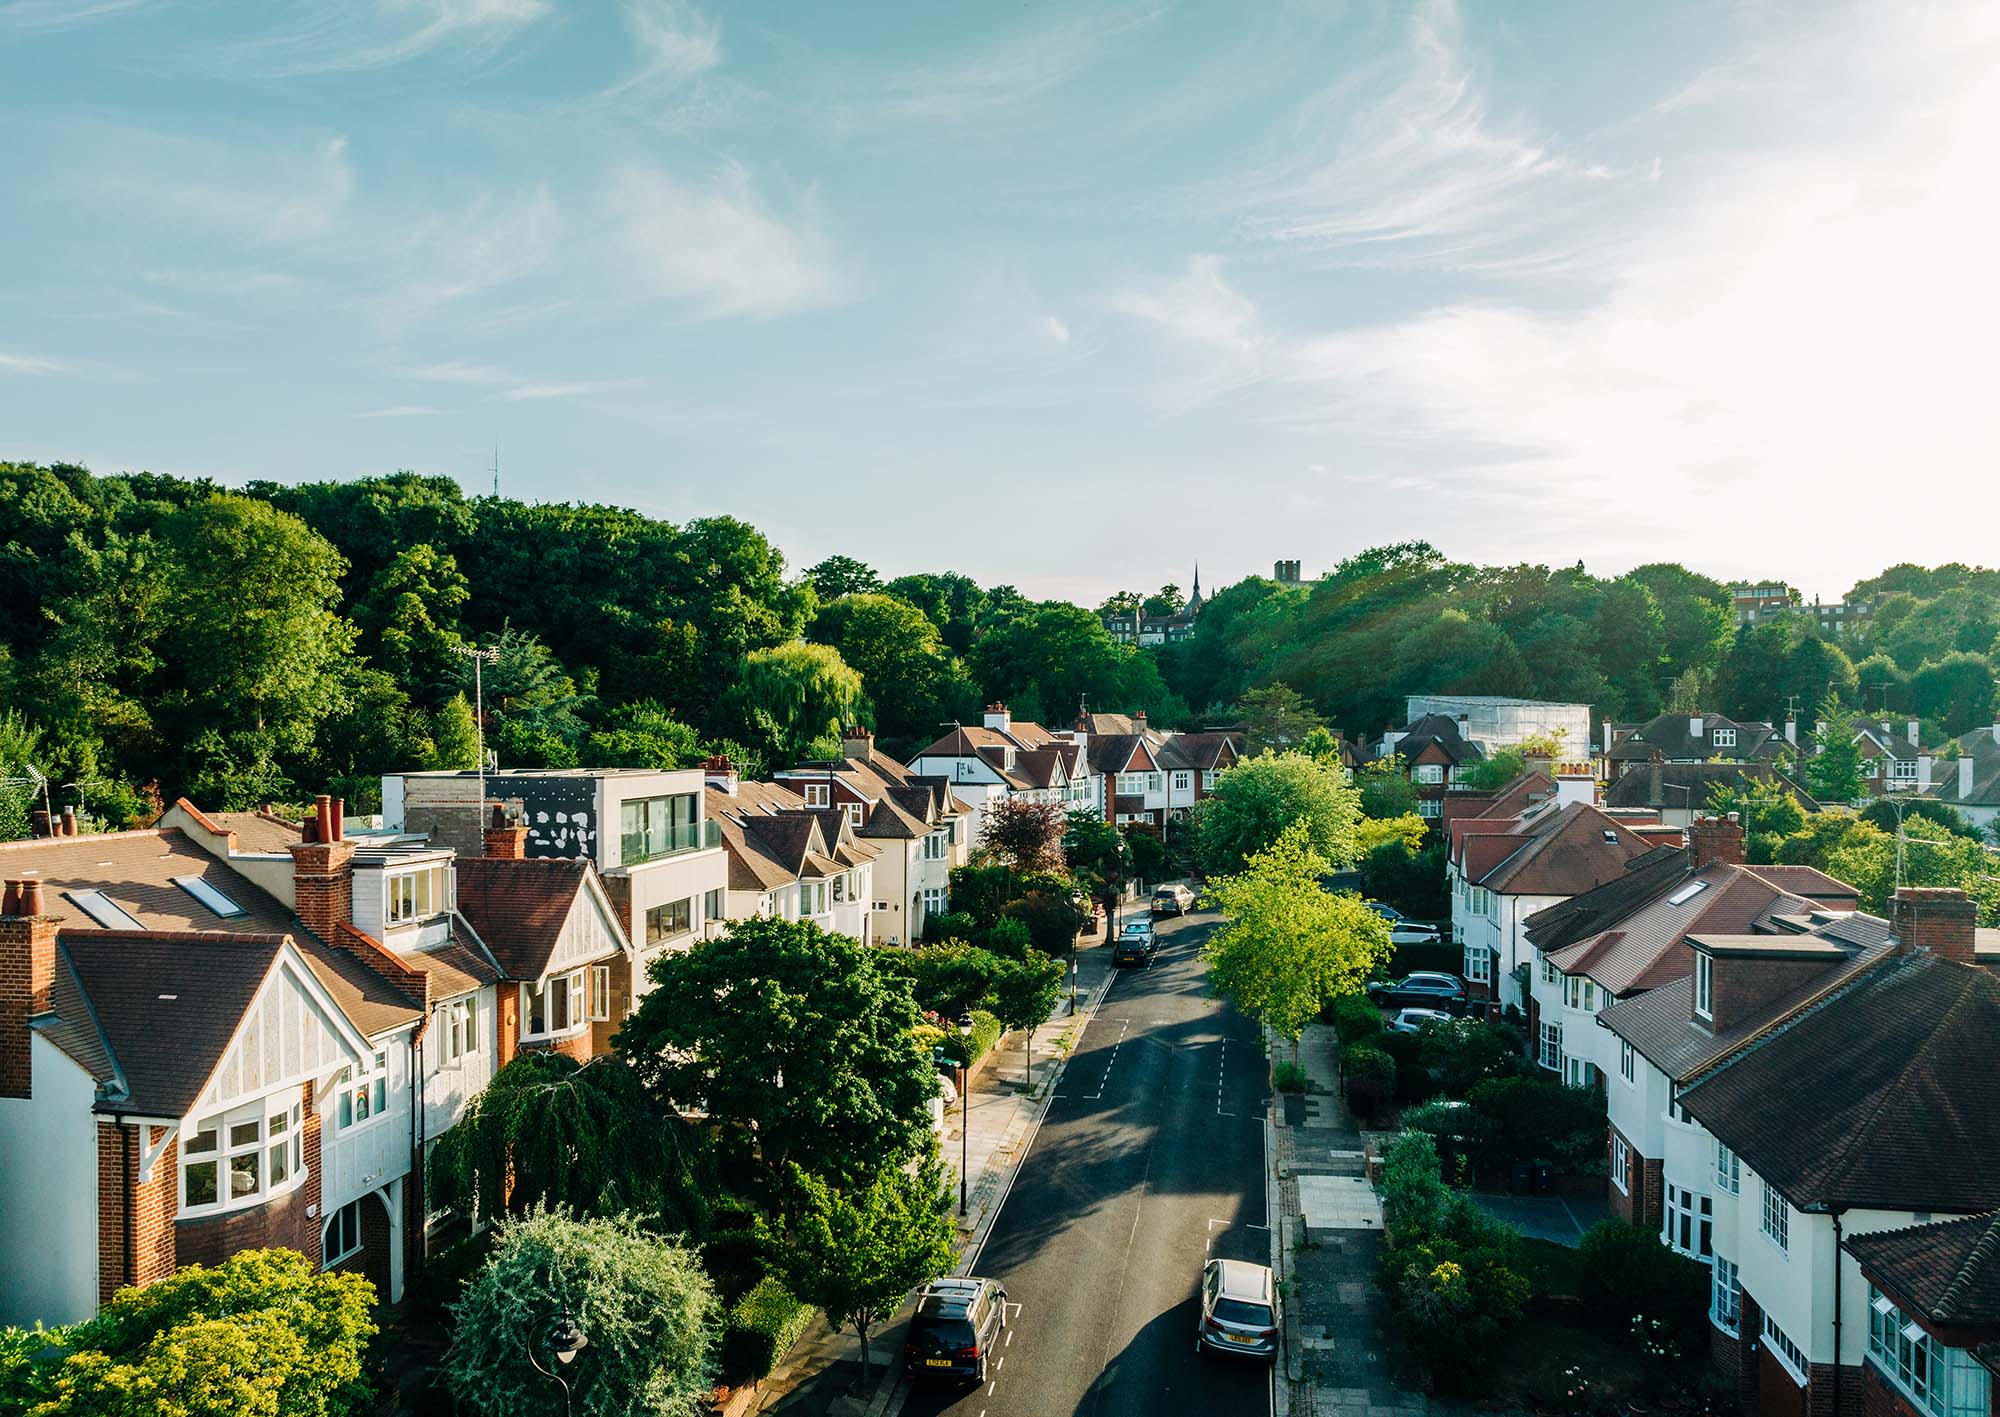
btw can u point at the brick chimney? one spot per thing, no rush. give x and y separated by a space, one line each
27 975
1940 919
719 773
857 742
1575 782
506 839
1656 789
1713 839
323 870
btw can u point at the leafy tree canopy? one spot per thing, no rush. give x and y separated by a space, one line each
1255 801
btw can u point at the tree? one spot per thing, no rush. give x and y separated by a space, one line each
454 736
410 616
1024 994
946 979
1122 602
1385 788
550 1131
858 1253
1494 773
1257 799
798 1035
1833 774
1410 830
1884 812
1275 718
1024 834
1098 853
1149 854
1955 691
912 682
842 575
1288 946
953 603
259 1334
1766 807
794 698
647 1311
642 735
1055 657
1167 600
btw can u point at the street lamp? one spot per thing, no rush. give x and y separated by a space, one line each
565 1341
964 1107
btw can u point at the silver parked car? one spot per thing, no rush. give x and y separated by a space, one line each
1239 1310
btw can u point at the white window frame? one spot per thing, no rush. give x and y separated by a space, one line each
575 1005
364 1103
1725 1305
1943 1381
1430 774
1687 1223
1577 1071
1628 1063
674 933
1478 965
269 1148
457 1031
937 845
1208 776
1780 1346
1153 780
416 894
1704 985
1550 974
600 993
817 794
1724 737
1580 992
1183 782
1621 1164
853 811
1775 1219
1728 1170
1903 770
1549 1052
1429 807
348 1219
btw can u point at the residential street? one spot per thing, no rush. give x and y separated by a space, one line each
1150 1160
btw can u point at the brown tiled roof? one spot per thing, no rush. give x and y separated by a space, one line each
1566 852
1670 735
257 831
1879 1097
1205 751
1947 1272
72 1026
518 907
135 870
1646 879
1113 752
167 1004
1688 784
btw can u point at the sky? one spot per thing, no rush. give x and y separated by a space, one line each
1064 295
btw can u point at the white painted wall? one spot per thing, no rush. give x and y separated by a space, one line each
448 1087
369 1155
48 1194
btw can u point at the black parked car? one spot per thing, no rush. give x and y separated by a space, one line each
1423 990
955 1329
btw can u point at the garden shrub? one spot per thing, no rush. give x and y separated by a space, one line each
1288 1077
1354 1017
986 1031
762 1328
1628 1271
1467 1052
1532 1120
1453 1304
1414 1196
1370 1077
1403 1047
1414 1082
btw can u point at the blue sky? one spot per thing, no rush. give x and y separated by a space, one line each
1065 295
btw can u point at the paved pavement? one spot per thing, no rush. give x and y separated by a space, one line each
1149 1160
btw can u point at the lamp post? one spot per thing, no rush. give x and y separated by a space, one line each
964 1107
565 1341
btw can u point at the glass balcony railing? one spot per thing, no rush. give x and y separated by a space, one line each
636 848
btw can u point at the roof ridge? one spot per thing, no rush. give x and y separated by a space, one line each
206 937
1845 1151
1985 1249
29 842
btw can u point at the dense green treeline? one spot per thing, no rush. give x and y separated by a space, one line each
161 636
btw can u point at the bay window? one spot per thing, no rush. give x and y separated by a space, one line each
1550 1053
1478 964
553 1006
343 1235
243 1156
1945 1382
1726 1308
1728 1170
1689 1225
1777 1219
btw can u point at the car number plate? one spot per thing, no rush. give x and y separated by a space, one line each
1239 1338
937 1362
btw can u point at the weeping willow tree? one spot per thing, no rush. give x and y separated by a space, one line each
554 1132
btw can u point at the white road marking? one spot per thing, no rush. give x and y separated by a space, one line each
990 1386
1003 1361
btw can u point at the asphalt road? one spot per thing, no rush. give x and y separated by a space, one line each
1150 1161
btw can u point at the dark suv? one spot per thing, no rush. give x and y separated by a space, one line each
956 1326
1422 990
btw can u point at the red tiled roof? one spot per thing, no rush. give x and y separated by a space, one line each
519 907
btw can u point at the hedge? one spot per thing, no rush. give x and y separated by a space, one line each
762 1328
1354 1016
1370 1075
986 1031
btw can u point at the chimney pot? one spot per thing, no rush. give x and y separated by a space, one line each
10 899
69 821
40 824
30 897
1913 727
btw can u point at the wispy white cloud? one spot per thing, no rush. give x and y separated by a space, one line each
30 364
718 249
402 410
42 15
675 41
1055 329
1205 318
537 393
448 257
454 371
1007 79
1402 161
247 188
330 36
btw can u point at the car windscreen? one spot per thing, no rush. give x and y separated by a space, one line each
944 1335
1235 1311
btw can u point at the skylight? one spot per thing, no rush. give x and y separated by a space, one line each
1687 892
208 895
100 908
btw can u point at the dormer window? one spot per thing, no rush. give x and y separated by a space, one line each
416 895
1724 737
818 794
1704 985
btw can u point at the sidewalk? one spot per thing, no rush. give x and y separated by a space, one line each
817 1378
1338 1356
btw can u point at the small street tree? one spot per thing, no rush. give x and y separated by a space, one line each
1024 994
857 1254
1288 944
800 1040
644 1306
551 1131
1258 799
1275 719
